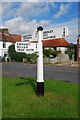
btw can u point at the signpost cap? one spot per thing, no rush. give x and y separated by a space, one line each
39 28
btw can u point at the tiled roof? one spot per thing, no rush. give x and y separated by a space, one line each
10 37
58 42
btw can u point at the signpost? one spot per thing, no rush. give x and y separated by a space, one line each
40 81
26 47
29 37
61 32
30 48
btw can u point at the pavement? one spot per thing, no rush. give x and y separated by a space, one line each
75 64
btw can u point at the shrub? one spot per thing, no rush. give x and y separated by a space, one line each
19 56
47 52
70 51
15 56
31 57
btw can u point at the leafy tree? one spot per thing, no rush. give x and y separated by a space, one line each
18 56
11 48
70 51
48 52
15 56
31 57
12 52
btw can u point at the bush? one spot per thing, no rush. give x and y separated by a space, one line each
49 52
12 52
31 57
15 56
56 53
70 51
44 56
18 56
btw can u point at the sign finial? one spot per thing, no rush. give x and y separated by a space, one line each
39 28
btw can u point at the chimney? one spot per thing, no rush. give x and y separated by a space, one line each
5 30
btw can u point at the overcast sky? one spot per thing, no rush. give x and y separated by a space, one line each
25 17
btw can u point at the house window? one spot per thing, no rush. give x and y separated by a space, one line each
4 44
54 36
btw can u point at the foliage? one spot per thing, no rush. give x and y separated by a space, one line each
12 52
70 51
31 57
48 52
58 52
18 56
44 56
11 49
55 53
15 56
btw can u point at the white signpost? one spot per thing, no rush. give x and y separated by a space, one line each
29 48
26 47
29 37
61 32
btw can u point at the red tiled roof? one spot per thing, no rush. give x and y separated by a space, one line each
58 42
10 37
16 38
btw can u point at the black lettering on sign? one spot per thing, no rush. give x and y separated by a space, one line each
20 50
29 49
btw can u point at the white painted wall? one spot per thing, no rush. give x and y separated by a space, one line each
63 49
4 50
0 48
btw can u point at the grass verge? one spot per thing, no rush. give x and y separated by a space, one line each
20 101
0 98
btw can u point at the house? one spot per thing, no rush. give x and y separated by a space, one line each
7 39
56 44
78 47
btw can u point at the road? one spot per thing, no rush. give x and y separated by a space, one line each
51 72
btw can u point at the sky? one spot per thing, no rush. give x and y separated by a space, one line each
24 17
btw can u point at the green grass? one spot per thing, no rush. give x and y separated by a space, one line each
20 101
0 97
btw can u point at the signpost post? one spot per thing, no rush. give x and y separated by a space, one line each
40 81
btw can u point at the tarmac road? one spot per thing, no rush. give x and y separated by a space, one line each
51 72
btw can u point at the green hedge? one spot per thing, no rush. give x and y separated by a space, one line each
48 52
18 56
